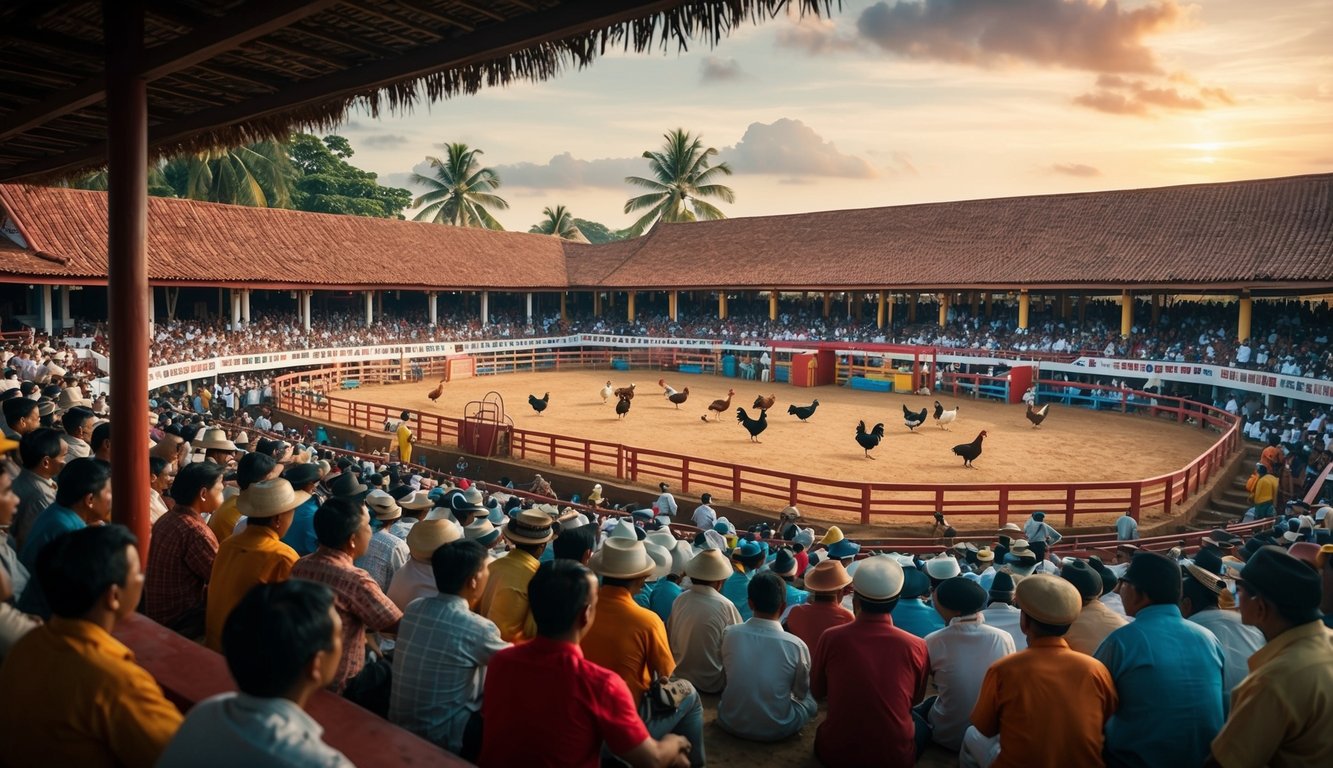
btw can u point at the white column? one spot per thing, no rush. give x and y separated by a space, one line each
305 309
370 308
245 306
152 310
485 307
433 301
529 307
235 309
47 322
65 319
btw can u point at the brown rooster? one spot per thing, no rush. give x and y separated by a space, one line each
435 393
625 392
764 403
718 406
679 397
1037 415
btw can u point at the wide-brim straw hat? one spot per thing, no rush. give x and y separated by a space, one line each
623 529
677 548
827 576
878 579
1208 579
416 501
482 530
530 527
242 438
270 498
429 535
625 559
383 506
214 440
707 566
942 567
72 397
985 555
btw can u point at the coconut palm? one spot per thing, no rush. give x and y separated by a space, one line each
559 222
681 177
461 190
158 186
259 174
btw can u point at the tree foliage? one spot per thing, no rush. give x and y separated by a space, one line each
682 175
259 175
461 190
597 232
327 183
559 223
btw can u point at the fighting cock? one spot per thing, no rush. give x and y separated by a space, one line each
667 389
1037 415
868 440
913 420
943 417
679 397
622 407
970 451
606 392
803 412
539 403
764 403
753 426
718 406
434 394
626 392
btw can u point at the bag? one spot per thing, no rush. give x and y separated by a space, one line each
1252 482
662 699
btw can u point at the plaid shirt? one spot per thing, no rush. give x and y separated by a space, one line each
359 602
385 555
179 565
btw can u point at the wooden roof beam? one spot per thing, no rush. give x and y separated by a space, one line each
431 13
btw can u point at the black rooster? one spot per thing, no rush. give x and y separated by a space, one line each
753 426
622 406
539 404
868 440
1037 415
913 420
970 451
803 412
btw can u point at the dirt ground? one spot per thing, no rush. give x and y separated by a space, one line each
1072 444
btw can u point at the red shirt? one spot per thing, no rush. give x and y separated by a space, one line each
809 621
872 673
802 562
180 563
546 705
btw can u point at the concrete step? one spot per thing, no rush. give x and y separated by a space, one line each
1230 506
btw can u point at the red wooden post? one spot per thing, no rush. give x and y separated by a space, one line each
552 441
620 462
1135 499
587 457
735 484
865 504
1070 492
791 492
1170 491
685 474
1004 505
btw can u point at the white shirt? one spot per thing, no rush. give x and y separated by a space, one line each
1005 617
768 681
698 618
1126 528
959 655
1239 642
704 517
413 580
666 505
234 729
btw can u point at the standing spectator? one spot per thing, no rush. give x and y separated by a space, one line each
767 697
181 559
1126 528
282 644
251 469
596 709
405 438
1096 620
256 555
301 536
73 694
386 553
343 528
665 505
1167 673
505 600
83 498
1040 535
1199 603
705 517
1014 724
698 619
872 673
826 583
1281 712
959 656
42 453
440 659
1262 486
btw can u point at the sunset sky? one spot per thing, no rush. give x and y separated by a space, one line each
903 102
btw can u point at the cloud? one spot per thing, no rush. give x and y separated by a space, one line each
1078 170
716 70
1092 35
384 140
792 148
564 171
1121 96
816 36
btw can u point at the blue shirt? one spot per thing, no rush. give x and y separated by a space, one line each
914 616
796 596
663 597
737 590
1168 672
54 522
301 536
1126 528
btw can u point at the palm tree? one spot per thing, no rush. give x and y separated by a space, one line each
260 175
461 190
682 176
558 222
158 186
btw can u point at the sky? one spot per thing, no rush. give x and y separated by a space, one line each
890 103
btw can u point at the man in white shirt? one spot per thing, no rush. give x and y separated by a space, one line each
1001 613
698 618
705 517
1200 591
1126 528
767 669
959 656
282 642
666 504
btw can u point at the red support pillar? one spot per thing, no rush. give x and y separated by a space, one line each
127 210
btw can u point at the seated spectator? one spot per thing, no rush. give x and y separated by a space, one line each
256 555
784 565
767 697
1280 714
83 498
1200 592
826 583
1167 673
871 673
251 469
505 601
180 561
301 536
1000 611
386 553
42 453
912 613
596 707
72 693
78 424
1014 722
417 578
698 618
440 659
667 587
1095 621
282 643
746 559
576 543
161 473
959 656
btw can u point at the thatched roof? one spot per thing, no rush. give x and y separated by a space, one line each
229 72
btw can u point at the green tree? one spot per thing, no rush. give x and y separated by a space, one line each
461 191
600 233
682 176
158 186
327 183
259 175
560 223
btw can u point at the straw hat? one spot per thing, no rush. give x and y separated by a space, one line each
55 371
242 438
623 529
215 439
529 527
623 559
1009 528
1049 599
482 530
416 500
429 535
383 506
1210 580
832 536
878 579
677 548
707 566
1021 548
72 397
827 576
269 498
985 555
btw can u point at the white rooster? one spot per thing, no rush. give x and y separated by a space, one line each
606 392
943 417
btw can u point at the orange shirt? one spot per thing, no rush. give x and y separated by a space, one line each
1015 702
74 696
224 520
629 640
253 556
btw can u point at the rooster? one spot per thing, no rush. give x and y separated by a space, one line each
913 420
606 392
627 392
753 426
622 407
803 412
539 403
667 389
434 394
970 451
718 406
868 440
943 417
679 397
1037 415
764 403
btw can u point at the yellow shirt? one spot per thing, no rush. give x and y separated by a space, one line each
224 520
253 556
505 601
1265 489
74 696
1280 713
629 640
404 443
